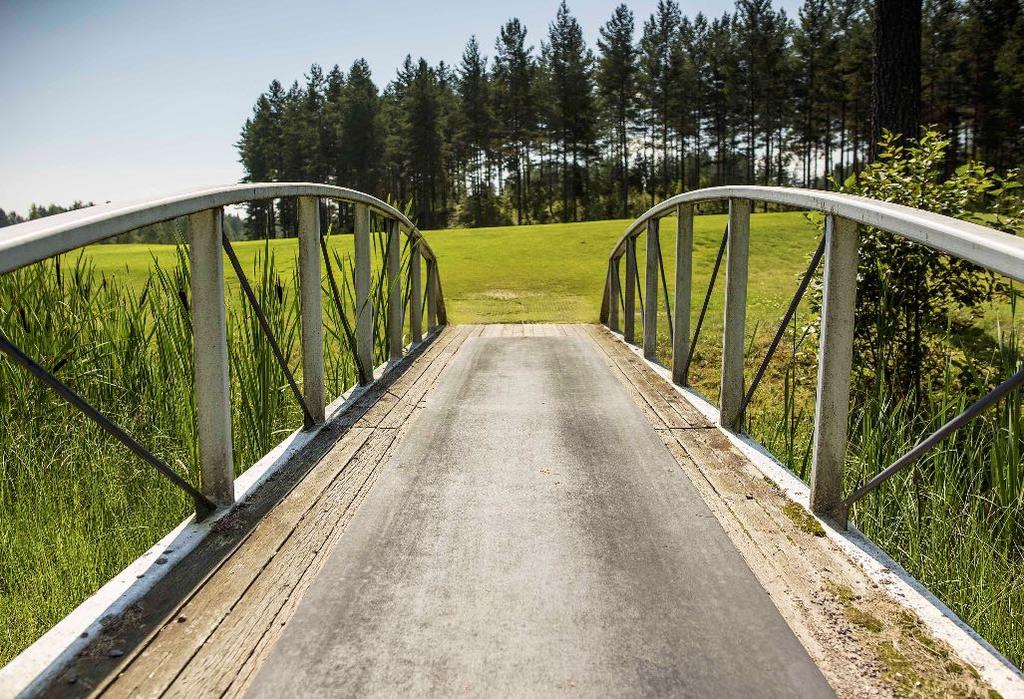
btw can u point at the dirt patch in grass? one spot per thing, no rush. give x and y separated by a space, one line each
504 294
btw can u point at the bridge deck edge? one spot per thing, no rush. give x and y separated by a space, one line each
895 581
36 666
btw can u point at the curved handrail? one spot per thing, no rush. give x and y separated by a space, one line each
986 247
32 241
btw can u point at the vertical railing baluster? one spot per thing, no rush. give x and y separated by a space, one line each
735 313
395 320
431 294
311 309
210 340
415 292
614 293
651 291
364 304
442 310
835 360
684 282
629 303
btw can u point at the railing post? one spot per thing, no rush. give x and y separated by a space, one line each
613 293
394 310
735 313
629 304
835 361
431 294
415 292
684 282
651 290
311 308
210 341
364 304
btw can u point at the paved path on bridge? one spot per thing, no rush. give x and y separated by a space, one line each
531 535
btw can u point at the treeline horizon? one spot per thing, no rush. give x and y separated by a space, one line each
570 132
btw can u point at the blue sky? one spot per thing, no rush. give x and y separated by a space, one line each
118 100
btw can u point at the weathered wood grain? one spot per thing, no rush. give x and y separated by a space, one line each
814 585
673 412
214 640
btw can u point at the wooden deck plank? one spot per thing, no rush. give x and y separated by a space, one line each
226 618
387 402
213 667
234 684
656 399
166 653
401 410
808 578
627 373
674 411
232 619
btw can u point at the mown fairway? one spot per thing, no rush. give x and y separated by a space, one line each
555 273
547 273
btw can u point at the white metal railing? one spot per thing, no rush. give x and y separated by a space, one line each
33 241
989 249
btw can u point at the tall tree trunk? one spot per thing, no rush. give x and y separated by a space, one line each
896 71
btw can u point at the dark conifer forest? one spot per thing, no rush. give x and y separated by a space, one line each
534 125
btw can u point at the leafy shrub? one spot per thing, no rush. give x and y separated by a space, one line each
909 295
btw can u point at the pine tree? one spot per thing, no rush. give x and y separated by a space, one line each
453 189
762 34
475 128
617 87
748 96
568 62
422 145
361 145
810 44
259 153
896 76
294 150
515 108
694 40
988 27
315 136
724 99
852 73
330 140
1010 72
659 81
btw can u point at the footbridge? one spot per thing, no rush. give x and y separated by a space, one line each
525 510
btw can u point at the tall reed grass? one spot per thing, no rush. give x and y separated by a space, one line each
955 519
75 506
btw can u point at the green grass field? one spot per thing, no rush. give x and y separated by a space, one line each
542 274
555 273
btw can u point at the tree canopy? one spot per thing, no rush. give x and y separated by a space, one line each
535 128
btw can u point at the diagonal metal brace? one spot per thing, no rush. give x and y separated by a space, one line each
636 279
339 307
275 348
926 445
664 285
204 506
704 307
793 305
